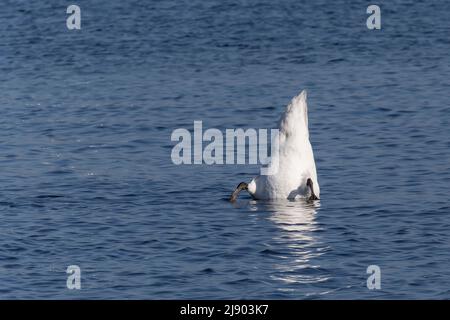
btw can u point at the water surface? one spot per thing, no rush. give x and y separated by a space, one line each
87 179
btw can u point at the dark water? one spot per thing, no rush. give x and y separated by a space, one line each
87 179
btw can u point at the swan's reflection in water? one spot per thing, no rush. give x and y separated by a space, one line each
297 242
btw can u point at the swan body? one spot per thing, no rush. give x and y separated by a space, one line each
296 176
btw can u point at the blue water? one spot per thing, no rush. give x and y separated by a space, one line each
86 175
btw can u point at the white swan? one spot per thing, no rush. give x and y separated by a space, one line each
296 175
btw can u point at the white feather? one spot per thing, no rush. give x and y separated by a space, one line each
295 159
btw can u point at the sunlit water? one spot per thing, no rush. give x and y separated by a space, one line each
86 175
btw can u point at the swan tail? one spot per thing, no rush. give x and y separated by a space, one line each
295 118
